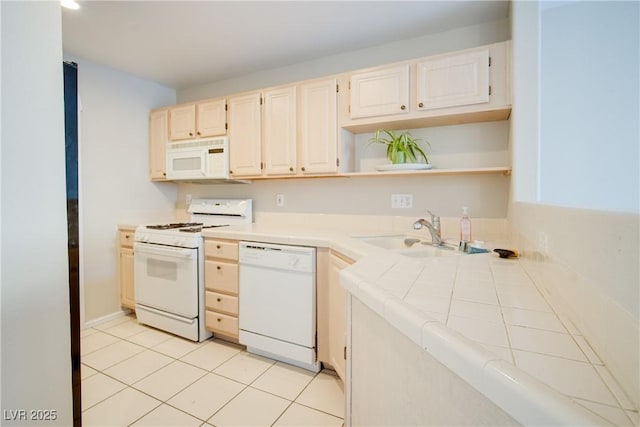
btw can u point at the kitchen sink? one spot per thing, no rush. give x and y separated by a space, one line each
409 246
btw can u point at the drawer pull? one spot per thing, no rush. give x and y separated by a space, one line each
219 319
218 267
217 246
218 299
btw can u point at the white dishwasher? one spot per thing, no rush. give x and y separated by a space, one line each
277 314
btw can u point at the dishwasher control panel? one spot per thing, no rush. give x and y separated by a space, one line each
294 258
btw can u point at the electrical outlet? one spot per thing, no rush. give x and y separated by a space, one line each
401 201
279 200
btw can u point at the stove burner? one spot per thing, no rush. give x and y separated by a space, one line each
191 230
174 225
199 229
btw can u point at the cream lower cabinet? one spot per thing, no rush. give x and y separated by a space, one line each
331 298
221 287
125 252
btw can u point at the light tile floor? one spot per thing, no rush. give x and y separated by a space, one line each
133 375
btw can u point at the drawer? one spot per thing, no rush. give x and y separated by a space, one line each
126 238
221 276
221 303
226 249
221 323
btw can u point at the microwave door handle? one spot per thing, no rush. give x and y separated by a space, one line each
205 163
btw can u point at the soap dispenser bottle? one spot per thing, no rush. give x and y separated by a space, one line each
465 226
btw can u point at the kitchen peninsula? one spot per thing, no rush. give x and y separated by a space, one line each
476 328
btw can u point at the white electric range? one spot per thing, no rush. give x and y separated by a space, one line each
169 266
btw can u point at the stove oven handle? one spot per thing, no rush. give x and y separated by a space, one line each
164 251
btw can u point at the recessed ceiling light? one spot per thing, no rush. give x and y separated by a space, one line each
70 4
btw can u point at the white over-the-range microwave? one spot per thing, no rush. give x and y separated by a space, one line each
200 159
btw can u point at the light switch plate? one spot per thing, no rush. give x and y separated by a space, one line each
279 200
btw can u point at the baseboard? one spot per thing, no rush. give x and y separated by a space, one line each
104 319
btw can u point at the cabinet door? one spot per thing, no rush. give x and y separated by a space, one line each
279 131
244 135
158 138
454 80
126 278
182 122
212 118
337 323
318 128
380 92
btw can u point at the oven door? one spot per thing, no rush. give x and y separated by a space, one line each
166 278
187 164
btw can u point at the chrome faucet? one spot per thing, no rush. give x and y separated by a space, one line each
433 226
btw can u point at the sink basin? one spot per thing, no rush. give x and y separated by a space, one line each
390 242
408 246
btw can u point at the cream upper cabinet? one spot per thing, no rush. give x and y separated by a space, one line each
182 122
245 135
453 80
158 138
197 120
380 92
279 131
317 126
211 118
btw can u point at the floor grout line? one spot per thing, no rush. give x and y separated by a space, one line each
205 371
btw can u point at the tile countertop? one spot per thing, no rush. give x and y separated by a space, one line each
479 315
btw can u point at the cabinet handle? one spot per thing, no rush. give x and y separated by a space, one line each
403 107
217 246
198 133
290 169
421 105
218 299
190 133
219 319
302 169
218 267
164 174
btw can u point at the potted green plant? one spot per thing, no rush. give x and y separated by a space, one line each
401 146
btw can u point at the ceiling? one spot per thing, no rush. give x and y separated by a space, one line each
181 44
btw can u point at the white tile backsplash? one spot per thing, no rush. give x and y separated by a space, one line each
591 277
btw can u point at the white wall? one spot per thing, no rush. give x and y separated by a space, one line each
589 105
36 349
114 181
585 259
432 44
487 196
